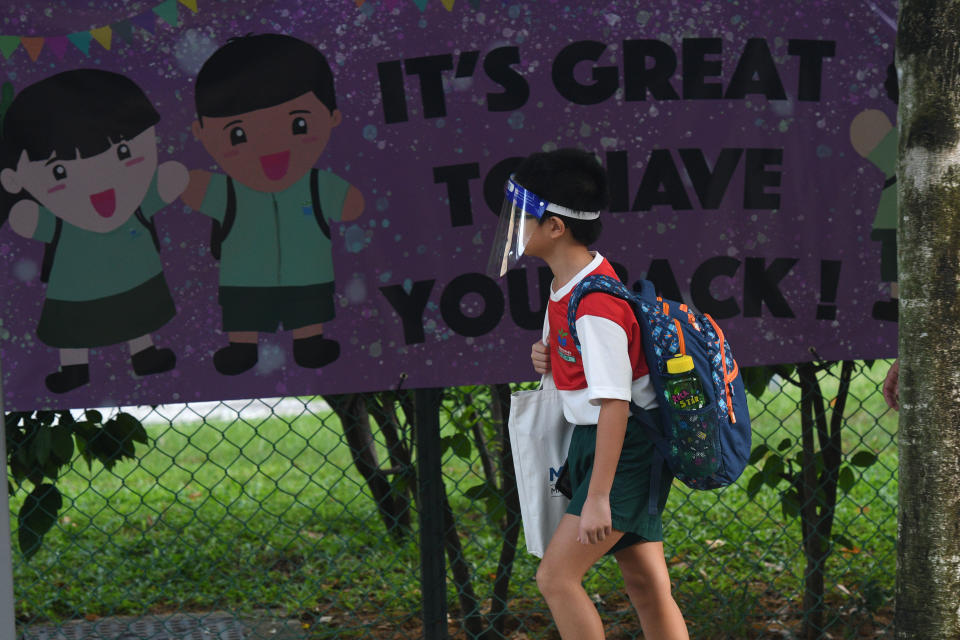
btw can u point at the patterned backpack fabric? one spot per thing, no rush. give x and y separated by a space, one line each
706 448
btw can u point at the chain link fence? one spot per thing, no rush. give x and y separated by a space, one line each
303 518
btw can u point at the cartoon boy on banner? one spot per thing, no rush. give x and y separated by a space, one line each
79 153
265 111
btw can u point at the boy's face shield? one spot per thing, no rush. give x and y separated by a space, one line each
520 215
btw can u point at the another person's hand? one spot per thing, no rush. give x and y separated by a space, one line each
891 386
595 520
540 355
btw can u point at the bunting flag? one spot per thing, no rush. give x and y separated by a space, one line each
58 45
103 35
81 40
168 11
123 30
33 46
8 44
448 4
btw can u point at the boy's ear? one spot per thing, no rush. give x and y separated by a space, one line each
9 181
196 128
557 226
335 118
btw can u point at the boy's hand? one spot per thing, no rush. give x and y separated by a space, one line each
540 355
172 179
193 195
891 386
595 520
24 217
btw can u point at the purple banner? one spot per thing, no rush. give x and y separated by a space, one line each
750 147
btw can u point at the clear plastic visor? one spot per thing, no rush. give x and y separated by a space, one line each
519 216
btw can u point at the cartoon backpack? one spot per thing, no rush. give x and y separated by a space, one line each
220 231
50 250
706 448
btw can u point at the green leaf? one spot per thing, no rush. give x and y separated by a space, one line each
37 516
46 417
844 541
758 452
757 379
462 446
124 426
785 444
863 458
790 504
846 479
772 470
41 445
62 443
476 492
753 487
93 416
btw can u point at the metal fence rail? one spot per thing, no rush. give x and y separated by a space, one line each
350 517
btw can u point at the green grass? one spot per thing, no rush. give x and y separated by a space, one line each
272 515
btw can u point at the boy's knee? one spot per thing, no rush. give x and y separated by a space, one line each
548 581
645 589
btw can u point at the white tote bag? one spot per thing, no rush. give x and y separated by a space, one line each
539 437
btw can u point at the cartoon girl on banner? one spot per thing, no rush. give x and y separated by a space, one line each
80 150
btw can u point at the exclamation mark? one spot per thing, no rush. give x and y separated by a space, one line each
829 281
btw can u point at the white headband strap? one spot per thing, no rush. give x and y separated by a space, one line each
572 213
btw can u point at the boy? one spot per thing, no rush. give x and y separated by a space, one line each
265 111
561 194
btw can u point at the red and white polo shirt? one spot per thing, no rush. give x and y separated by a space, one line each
610 365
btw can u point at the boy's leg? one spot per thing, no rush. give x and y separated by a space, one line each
311 350
74 371
647 581
560 579
147 359
239 355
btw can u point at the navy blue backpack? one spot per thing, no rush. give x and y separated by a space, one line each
706 448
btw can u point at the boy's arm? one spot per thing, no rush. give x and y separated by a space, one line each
595 519
196 189
207 194
352 205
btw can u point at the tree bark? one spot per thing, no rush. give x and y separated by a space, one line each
928 549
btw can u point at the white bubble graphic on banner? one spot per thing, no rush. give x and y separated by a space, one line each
192 50
25 270
271 358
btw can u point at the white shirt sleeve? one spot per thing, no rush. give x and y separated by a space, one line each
606 360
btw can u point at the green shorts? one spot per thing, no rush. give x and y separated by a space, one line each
630 493
266 308
70 324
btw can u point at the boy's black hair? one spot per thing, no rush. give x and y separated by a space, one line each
572 178
81 111
259 71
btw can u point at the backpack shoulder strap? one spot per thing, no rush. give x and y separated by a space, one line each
315 200
151 227
220 231
50 251
591 284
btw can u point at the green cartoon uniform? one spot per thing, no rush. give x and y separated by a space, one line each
276 264
104 288
884 156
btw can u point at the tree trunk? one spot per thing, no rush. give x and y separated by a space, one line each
928 549
352 411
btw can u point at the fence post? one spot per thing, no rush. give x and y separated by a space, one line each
433 572
7 626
